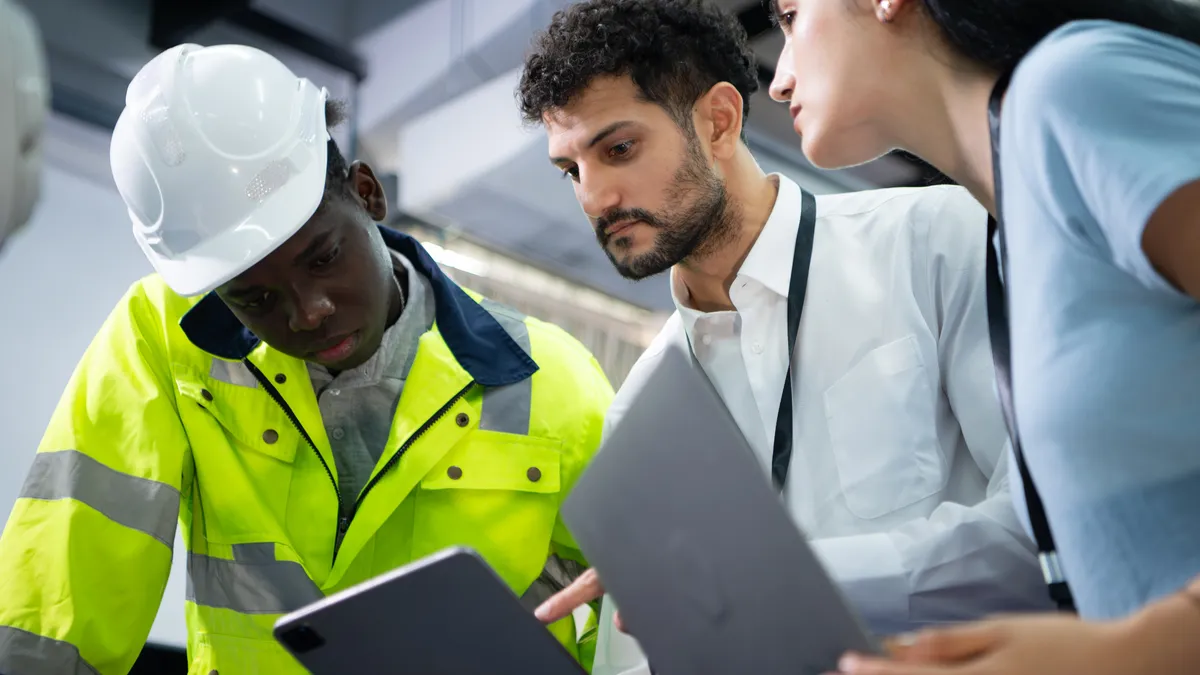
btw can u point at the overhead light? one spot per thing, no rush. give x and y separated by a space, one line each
456 260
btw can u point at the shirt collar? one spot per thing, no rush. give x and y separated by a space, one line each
770 259
479 343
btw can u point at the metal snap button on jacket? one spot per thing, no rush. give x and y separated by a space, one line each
462 420
270 436
454 473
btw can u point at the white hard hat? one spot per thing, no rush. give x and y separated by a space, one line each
220 156
24 98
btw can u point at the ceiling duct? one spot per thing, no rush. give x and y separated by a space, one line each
175 21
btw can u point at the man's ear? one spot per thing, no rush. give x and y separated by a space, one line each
721 112
368 190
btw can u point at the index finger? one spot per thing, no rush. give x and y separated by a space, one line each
583 590
855 664
946 645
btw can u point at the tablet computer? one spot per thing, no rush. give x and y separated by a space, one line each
693 542
446 614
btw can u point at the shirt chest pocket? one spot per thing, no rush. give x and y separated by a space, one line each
244 448
247 414
497 493
882 417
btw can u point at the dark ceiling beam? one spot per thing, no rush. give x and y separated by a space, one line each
306 43
174 21
756 20
71 102
83 89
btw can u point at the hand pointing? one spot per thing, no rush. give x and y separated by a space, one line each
583 590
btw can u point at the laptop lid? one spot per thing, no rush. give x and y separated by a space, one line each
682 523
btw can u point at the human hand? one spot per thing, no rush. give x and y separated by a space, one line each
586 588
1019 645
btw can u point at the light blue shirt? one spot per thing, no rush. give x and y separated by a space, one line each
1101 124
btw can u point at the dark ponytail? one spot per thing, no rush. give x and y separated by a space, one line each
997 34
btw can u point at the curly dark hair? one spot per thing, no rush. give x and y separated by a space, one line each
675 51
337 172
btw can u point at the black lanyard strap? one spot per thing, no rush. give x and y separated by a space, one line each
998 330
781 456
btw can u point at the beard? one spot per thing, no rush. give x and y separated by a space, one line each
698 220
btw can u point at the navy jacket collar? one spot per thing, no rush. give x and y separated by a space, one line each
478 341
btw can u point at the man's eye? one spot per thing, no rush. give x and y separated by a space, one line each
256 302
327 258
572 173
621 149
786 19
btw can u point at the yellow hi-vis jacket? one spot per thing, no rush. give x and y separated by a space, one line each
178 414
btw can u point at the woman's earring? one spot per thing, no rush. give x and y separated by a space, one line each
885 11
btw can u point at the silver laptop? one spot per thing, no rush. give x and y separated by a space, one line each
693 543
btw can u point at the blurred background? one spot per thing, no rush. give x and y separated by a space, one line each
430 91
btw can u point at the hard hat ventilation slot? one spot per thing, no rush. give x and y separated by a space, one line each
164 136
270 179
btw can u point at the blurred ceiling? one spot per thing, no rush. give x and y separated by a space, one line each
431 87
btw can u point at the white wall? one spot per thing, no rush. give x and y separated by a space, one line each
58 280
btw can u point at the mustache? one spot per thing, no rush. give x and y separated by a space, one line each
625 215
622 216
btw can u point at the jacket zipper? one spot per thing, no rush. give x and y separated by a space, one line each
343 521
412 439
344 518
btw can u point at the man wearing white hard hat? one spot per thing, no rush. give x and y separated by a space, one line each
281 391
24 94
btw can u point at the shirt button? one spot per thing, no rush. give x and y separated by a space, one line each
758 348
338 434
707 339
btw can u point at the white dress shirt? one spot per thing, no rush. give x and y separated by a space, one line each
898 473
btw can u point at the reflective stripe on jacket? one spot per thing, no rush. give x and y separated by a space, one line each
178 414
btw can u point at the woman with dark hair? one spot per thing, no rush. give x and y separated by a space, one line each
1089 110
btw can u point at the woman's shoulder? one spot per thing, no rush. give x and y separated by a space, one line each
1086 35
1096 77
1100 120
1084 60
